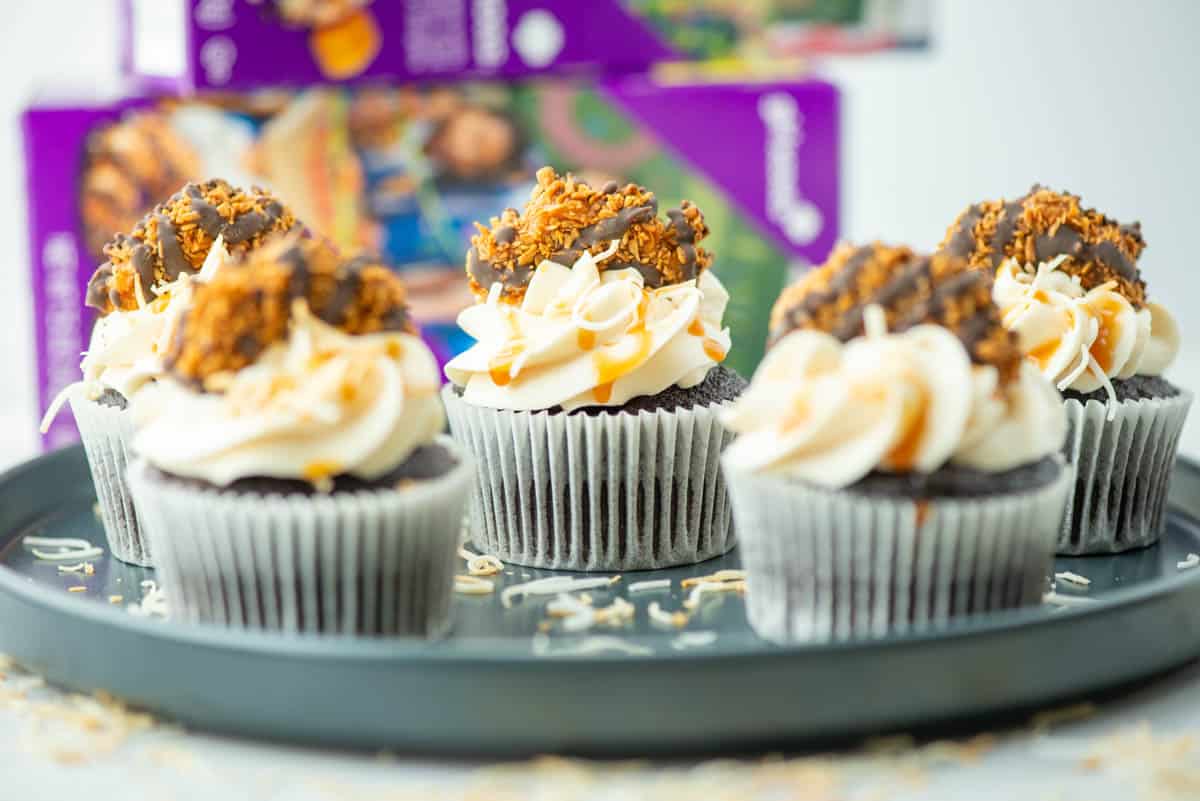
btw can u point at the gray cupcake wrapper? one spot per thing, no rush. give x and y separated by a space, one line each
371 562
1122 470
107 432
605 492
826 565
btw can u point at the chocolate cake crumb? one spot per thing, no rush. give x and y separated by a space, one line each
911 290
1134 388
174 239
426 462
1042 225
565 217
248 306
954 481
112 398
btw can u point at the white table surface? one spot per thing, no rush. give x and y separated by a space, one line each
1142 745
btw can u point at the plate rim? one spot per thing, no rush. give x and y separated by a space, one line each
349 648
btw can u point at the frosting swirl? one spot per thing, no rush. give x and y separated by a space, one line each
127 347
830 413
1082 339
585 338
322 403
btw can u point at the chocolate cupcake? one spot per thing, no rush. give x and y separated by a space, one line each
591 396
291 472
897 462
140 293
1068 284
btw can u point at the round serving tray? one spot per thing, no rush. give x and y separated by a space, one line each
493 688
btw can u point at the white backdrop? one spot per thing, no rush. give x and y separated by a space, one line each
1096 96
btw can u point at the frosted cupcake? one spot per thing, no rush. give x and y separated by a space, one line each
897 462
591 397
1067 283
140 292
291 473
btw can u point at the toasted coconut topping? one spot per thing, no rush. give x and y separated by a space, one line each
565 217
248 306
911 290
175 238
1044 224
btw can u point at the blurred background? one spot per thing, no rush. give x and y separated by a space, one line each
1093 96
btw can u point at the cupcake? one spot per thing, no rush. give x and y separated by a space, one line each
897 461
1068 284
140 292
591 397
291 473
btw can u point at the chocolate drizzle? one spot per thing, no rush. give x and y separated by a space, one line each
912 290
173 239
1043 225
566 218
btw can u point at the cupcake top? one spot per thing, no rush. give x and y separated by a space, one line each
911 290
588 300
1043 225
565 218
246 310
884 360
1068 284
175 238
292 363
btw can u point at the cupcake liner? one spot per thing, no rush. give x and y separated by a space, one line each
107 433
826 565
605 492
1122 472
371 562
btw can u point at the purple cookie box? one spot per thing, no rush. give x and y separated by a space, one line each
774 162
239 44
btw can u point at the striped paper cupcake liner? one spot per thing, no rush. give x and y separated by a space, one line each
377 562
826 565
618 491
107 432
1122 470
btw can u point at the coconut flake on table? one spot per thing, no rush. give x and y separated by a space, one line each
554 586
1073 578
69 549
1192 560
473 585
481 564
648 586
153 603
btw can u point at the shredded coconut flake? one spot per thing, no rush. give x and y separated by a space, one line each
1073 578
481 564
1055 599
69 548
153 603
720 575
648 586
1192 560
473 585
553 586
662 617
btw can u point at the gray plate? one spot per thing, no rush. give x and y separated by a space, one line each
485 690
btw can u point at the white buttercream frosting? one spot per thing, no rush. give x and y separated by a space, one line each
581 337
320 404
1079 339
127 347
830 413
